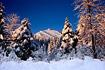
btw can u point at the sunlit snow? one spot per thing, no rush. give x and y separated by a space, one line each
75 64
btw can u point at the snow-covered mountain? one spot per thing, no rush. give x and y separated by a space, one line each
47 34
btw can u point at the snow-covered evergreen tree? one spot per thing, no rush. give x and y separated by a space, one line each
23 44
53 48
51 45
90 31
3 32
67 36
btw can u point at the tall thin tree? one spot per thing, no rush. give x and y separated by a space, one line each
88 9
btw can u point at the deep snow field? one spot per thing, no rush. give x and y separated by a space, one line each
75 64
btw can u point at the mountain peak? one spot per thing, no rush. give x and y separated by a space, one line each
48 28
48 34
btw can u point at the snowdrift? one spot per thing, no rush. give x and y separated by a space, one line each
76 64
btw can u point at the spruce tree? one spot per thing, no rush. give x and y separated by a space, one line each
3 33
23 41
67 36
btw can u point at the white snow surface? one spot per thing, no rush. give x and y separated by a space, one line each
75 64
48 34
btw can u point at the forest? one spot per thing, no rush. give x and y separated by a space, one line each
17 42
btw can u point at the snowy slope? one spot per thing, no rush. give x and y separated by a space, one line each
75 64
48 34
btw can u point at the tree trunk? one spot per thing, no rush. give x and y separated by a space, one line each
92 34
93 47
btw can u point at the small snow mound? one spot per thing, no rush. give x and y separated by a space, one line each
29 59
88 59
93 64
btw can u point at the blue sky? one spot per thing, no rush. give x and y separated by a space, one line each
43 14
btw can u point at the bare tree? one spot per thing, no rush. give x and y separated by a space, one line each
88 24
13 19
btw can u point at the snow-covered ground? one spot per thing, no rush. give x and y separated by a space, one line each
75 64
